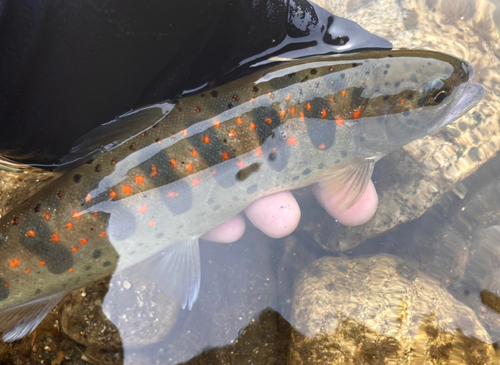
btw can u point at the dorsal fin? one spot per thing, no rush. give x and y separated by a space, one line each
110 135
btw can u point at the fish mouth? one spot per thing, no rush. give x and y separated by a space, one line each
471 96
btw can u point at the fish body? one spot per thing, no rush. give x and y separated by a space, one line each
323 119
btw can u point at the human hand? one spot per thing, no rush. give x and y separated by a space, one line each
278 215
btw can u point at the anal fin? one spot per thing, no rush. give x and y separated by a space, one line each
21 320
179 274
350 179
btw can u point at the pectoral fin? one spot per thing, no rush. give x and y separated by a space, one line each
349 179
179 274
21 320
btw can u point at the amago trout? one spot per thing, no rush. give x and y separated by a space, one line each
326 119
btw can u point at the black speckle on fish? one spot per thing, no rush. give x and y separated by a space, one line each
247 171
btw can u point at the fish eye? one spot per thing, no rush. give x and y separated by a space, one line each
440 96
435 92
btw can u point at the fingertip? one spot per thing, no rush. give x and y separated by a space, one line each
229 231
276 215
360 213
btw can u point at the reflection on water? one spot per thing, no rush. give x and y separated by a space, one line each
426 291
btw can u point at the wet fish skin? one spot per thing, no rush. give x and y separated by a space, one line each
326 118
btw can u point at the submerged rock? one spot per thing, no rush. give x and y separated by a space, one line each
381 310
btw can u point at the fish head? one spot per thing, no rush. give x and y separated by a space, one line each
414 94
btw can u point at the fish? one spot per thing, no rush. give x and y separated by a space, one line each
204 158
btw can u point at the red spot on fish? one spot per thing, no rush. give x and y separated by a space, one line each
42 263
143 209
69 225
83 241
139 179
270 95
239 121
195 181
224 155
302 115
27 271
292 141
126 189
214 171
14 263
205 139
275 150
258 151
356 113
194 152
151 223
189 167
268 120
154 171
232 133
324 113
216 124
54 237
71 270
293 110
102 234
143 134
172 194
282 113
173 163
332 100
88 198
339 121
76 215
322 146
113 161
112 194
60 195
74 249
30 233
288 97
15 221
184 133
158 140
96 214
46 216
240 164
252 126
6 285
344 93
402 101
308 107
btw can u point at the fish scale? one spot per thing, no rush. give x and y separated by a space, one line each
324 119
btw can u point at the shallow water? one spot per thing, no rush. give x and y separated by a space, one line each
435 296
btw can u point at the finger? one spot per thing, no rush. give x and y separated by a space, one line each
360 213
227 232
276 215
